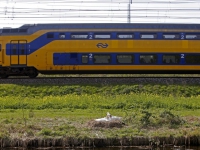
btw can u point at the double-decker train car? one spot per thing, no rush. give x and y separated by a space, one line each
99 48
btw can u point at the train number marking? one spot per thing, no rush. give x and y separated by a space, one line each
102 45
90 37
90 56
182 36
182 56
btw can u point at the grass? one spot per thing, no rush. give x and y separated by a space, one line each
97 101
65 111
62 90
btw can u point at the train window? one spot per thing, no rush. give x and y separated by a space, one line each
62 35
102 59
50 35
23 30
6 31
14 30
14 49
73 55
124 59
171 36
148 36
125 36
192 59
171 59
102 36
22 49
148 59
84 59
192 36
79 36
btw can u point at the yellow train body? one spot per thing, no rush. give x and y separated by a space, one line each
38 53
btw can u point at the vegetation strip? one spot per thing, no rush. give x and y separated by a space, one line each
43 115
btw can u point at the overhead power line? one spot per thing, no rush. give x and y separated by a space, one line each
15 12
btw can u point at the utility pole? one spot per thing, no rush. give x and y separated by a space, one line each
129 11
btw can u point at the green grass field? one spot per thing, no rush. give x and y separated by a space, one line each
60 111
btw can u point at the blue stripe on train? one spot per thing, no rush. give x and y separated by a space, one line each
43 40
76 59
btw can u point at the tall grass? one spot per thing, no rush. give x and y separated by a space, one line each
62 90
97 101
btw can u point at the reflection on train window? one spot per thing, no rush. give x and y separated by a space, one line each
50 35
125 36
192 36
171 59
102 36
22 49
84 59
62 35
148 59
148 36
102 59
14 49
192 59
124 59
171 36
79 36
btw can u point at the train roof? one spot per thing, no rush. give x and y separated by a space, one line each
31 28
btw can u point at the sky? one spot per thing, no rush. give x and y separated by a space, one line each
15 13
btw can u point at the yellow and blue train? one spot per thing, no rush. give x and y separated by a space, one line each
99 48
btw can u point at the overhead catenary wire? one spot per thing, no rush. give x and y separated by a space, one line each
16 12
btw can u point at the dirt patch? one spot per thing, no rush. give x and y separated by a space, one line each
192 119
105 124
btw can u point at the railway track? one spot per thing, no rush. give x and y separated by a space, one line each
103 80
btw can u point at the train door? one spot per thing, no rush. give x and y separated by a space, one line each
18 53
73 61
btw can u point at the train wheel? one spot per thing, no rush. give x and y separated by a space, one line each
4 73
33 73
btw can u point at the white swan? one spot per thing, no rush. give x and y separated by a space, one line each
109 117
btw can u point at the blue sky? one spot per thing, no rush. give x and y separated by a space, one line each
14 13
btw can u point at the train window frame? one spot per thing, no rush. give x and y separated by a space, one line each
76 35
146 63
94 59
87 58
192 34
132 58
50 35
170 61
176 36
155 36
195 55
102 34
62 35
125 34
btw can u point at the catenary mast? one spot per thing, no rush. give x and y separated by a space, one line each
129 11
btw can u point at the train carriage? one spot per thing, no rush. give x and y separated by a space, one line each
99 48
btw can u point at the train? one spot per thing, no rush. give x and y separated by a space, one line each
99 48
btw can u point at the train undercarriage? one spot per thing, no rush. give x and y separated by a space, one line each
5 72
